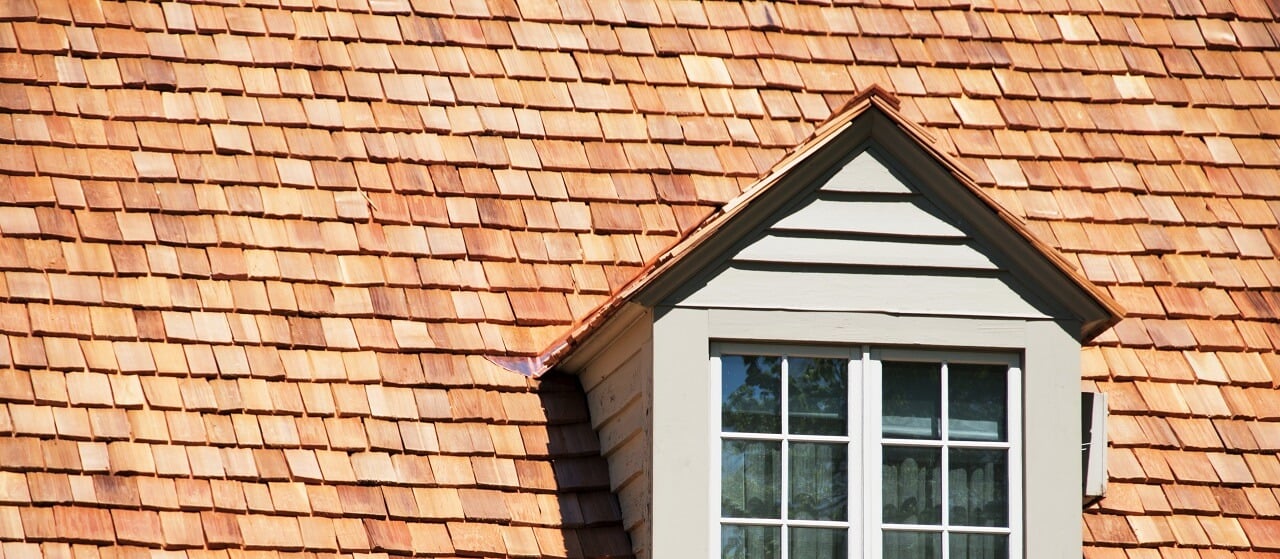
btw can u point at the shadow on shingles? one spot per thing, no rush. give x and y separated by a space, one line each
590 516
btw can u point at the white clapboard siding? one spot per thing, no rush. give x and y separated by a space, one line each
798 288
866 174
905 216
915 253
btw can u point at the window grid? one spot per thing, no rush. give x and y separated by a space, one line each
785 438
864 464
946 444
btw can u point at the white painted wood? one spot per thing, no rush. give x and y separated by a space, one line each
715 391
683 498
866 173
865 252
797 289
1016 472
856 482
867 327
1095 474
904 216
938 356
1051 453
793 350
872 455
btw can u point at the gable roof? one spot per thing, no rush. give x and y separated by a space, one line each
872 115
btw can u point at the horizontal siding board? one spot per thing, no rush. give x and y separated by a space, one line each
902 216
616 391
624 426
858 328
622 348
627 461
600 371
866 173
635 509
864 252
796 288
640 540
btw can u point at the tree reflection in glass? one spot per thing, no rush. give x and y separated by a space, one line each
751 388
818 396
818 543
912 404
751 479
978 403
912 545
750 542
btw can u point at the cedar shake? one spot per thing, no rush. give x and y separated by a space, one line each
252 259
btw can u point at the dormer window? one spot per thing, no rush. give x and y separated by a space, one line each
837 367
802 429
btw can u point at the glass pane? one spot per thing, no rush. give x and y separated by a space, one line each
750 542
912 488
912 407
912 545
818 543
751 479
978 402
819 481
818 397
978 481
979 546
750 394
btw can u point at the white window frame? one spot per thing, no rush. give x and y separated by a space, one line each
866 444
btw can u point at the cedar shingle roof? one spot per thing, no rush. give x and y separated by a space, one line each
252 255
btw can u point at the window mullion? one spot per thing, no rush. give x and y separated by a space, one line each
717 452
853 392
872 449
945 473
1015 481
786 454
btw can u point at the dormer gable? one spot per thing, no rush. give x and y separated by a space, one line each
866 246
873 191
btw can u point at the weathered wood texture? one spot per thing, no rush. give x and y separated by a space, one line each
619 382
